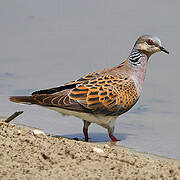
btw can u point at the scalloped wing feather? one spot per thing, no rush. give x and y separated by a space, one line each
111 95
100 94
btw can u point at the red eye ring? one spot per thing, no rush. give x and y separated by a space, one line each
150 42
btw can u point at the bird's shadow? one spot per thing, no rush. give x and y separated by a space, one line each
94 137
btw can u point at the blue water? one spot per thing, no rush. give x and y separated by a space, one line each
48 43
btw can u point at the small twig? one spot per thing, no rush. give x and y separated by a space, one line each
13 116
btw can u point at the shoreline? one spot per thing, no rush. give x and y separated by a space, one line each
30 154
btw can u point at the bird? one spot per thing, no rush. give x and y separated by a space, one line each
101 96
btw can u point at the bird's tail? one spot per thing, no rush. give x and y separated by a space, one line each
22 99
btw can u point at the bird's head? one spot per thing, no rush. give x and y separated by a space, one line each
149 45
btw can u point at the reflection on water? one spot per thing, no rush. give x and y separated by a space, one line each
7 75
94 137
49 46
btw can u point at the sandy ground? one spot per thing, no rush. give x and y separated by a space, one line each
25 154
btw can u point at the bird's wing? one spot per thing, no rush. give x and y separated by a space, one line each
102 94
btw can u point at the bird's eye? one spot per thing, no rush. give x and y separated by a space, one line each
150 42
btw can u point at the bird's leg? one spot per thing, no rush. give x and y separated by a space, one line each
85 129
113 138
111 134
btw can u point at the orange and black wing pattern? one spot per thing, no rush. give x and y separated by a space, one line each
95 93
108 94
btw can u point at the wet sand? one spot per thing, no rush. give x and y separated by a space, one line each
25 154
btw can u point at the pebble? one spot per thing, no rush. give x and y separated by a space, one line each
106 146
38 132
18 132
98 150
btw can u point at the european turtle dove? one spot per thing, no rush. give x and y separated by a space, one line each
100 97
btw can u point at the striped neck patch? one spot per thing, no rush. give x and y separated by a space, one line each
134 57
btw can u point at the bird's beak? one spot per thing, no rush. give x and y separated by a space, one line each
163 49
